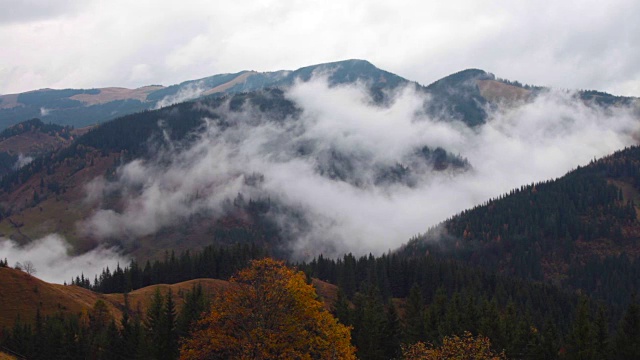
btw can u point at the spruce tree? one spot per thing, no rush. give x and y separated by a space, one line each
580 344
391 333
155 325
414 329
170 334
627 341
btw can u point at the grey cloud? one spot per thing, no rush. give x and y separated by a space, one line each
562 44
15 11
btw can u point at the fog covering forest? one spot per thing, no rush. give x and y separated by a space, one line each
343 170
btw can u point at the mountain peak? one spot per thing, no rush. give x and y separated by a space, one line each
464 77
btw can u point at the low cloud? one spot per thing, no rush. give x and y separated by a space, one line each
53 262
185 93
326 161
22 161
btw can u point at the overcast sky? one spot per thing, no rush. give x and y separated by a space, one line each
94 43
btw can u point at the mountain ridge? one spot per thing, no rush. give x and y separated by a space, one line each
83 107
456 93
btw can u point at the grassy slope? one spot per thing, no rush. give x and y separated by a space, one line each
21 294
57 213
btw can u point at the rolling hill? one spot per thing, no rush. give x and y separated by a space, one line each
23 295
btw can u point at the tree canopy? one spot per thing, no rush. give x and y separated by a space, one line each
270 312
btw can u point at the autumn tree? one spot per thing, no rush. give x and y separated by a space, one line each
466 347
268 312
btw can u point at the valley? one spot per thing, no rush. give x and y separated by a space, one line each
471 204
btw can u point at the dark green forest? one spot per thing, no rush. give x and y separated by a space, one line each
577 232
529 320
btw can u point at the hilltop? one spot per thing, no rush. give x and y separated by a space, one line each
23 295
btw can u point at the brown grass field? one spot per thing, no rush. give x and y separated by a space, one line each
22 294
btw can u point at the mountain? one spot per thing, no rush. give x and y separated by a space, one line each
197 172
580 232
38 194
85 107
21 143
463 95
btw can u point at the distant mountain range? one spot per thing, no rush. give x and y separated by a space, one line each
84 107
463 95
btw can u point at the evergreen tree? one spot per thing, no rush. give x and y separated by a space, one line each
391 333
170 334
627 340
369 323
130 331
196 303
341 308
601 335
580 344
414 328
155 325
550 342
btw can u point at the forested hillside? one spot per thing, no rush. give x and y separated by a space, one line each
578 232
389 300
36 192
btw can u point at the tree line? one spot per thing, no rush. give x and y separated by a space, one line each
95 334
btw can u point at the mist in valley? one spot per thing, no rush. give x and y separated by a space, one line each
347 173
353 168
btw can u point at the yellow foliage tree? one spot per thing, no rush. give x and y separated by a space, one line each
269 312
466 347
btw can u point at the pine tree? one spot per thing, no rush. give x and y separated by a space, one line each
550 343
369 321
414 328
601 335
170 334
341 308
195 305
391 333
155 325
130 331
580 344
627 338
